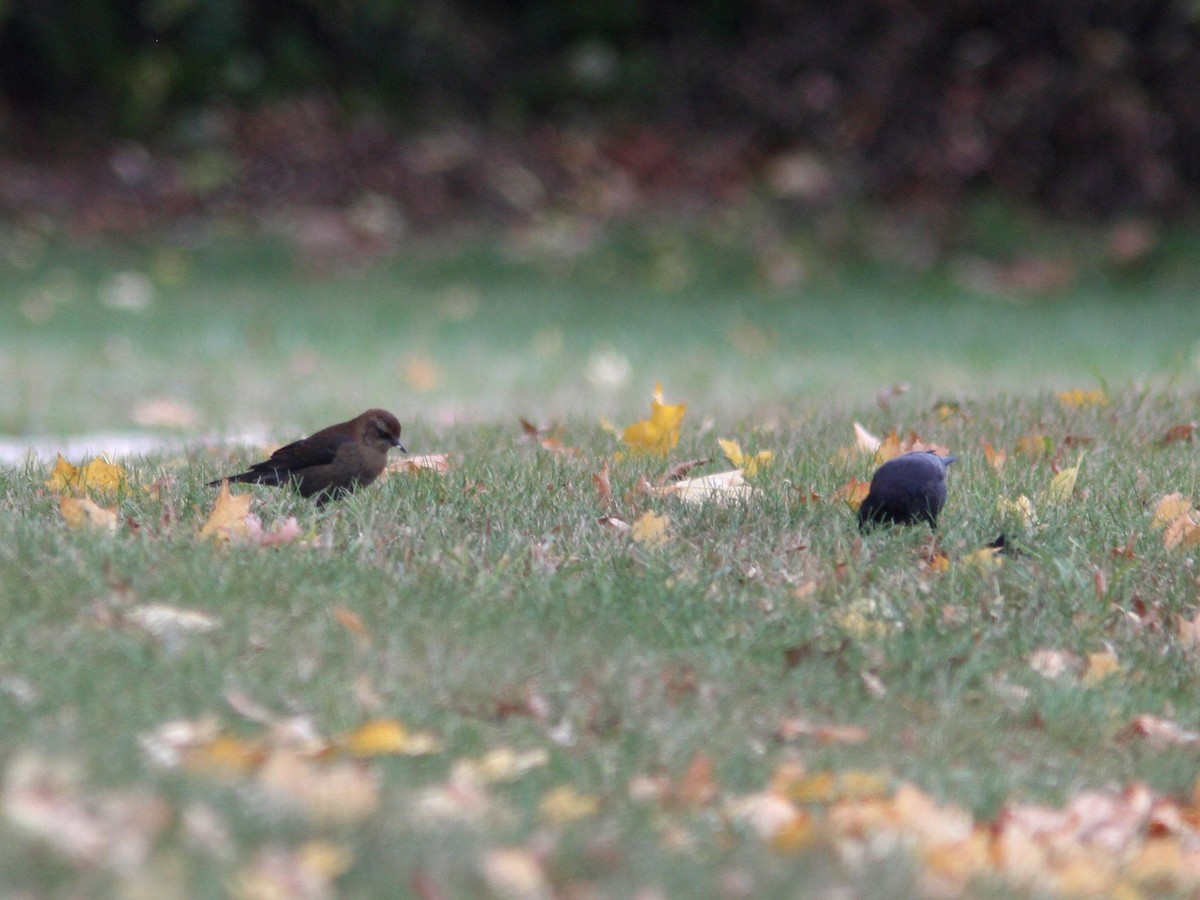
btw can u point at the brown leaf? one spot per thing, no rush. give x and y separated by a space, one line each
1176 433
603 485
697 786
615 524
854 492
677 471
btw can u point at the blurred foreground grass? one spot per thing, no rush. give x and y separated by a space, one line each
246 335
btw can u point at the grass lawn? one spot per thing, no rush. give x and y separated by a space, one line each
761 702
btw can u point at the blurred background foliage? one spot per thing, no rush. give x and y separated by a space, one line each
1083 108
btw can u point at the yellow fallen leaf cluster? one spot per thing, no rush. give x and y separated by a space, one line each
326 780
98 476
1077 398
1130 842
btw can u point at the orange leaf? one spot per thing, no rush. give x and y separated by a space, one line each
603 485
352 622
81 512
995 458
228 517
854 492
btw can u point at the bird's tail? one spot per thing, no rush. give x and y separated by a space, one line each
269 477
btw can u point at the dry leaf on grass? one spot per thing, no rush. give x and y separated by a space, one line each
721 486
228 517
650 529
83 512
750 463
660 433
437 463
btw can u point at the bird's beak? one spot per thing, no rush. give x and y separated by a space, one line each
946 460
396 443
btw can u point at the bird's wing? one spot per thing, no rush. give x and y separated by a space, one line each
318 450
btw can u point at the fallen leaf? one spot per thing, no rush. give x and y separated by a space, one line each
1169 509
660 433
603 485
1020 510
228 517
750 464
306 873
615 524
351 621
1052 663
387 737
99 476
677 471
1062 485
1034 445
995 458
854 492
1162 732
650 529
171 624
498 765
1178 433
864 440
513 873
1078 399
729 485
985 558
792 729
1100 666
284 532
337 793
80 512
1188 631
438 463
698 785
564 804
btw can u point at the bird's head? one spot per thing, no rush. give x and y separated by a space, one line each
381 430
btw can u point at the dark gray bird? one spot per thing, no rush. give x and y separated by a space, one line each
910 488
332 462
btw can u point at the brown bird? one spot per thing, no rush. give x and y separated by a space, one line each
332 462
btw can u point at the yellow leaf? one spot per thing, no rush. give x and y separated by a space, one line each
564 805
1034 445
62 476
819 787
984 558
81 512
609 427
750 464
1170 508
1021 509
650 529
228 517
1062 486
324 858
1077 398
224 754
660 433
387 737
1100 666
98 475
720 486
